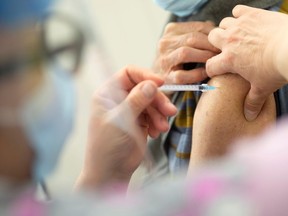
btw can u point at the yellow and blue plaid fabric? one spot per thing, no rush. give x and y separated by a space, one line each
180 136
179 140
284 7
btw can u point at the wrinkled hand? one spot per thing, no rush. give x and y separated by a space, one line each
184 43
124 111
250 43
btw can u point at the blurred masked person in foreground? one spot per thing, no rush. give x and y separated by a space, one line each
36 115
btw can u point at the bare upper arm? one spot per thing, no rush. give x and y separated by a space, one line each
219 118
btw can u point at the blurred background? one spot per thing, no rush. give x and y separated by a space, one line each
124 32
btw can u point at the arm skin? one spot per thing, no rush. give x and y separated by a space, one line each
219 118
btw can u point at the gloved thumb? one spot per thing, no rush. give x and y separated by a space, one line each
253 104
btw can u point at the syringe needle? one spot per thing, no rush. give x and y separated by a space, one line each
202 88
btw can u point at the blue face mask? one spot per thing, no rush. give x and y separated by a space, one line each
16 12
48 119
181 8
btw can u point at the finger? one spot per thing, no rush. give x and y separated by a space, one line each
158 120
187 77
216 37
227 22
195 40
186 55
143 121
217 65
140 98
185 27
199 40
130 76
143 124
152 131
240 10
254 102
163 105
125 115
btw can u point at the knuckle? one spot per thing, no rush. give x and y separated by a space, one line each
227 61
200 26
228 57
191 40
170 27
212 35
237 9
239 26
223 21
178 79
128 67
183 53
164 64
230 37
210 23
253 15
235 34
163 45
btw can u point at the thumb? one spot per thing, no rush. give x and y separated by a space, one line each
217 66
141 97
138 99
254 102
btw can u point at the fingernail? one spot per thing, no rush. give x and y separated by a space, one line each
250 115
149 90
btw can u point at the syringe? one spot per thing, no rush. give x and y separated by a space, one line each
202 88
